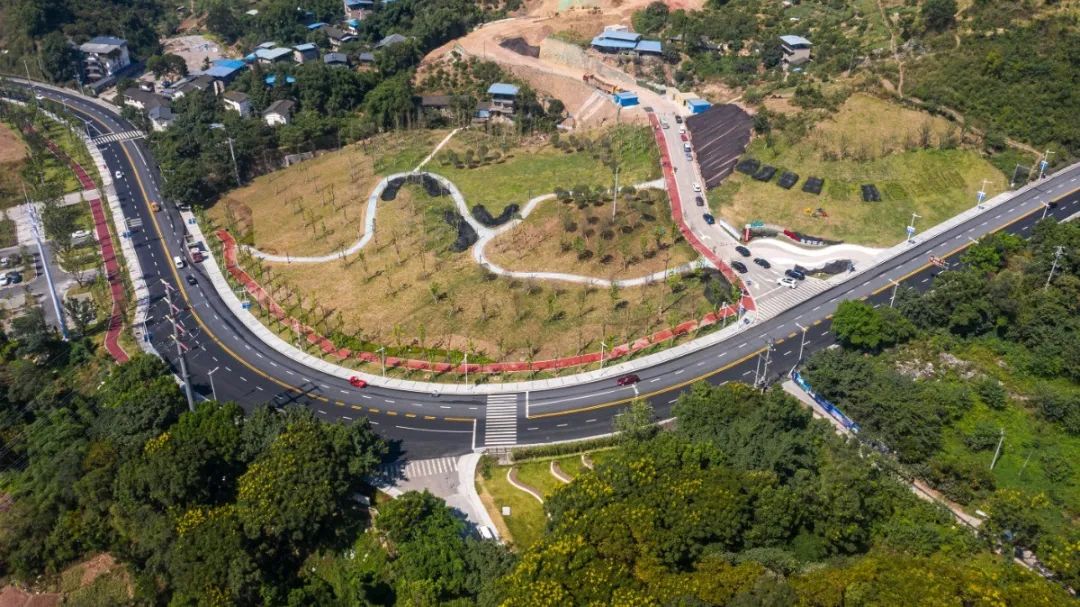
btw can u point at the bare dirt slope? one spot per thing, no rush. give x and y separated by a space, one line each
540 20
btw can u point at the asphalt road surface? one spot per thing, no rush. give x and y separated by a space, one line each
425 425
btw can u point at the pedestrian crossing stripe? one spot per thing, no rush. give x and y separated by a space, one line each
114 137
404 470
500 422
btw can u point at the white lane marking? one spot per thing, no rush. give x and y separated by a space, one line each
343 391
289 372
679 372
589 421
742 345
273 363
259 355
365 396
563 425
259 388
654 380
242 378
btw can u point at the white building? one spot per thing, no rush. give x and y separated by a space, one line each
796 50
237 102
279 112
103 57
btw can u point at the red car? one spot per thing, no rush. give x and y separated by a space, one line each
627 380
357 382
684 137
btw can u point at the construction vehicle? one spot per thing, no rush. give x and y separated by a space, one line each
601 84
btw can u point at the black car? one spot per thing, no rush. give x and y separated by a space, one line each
741 250
738 265
709 219
761 262
793 273
191 280
698 200
678 118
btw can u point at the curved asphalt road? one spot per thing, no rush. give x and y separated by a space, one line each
251 373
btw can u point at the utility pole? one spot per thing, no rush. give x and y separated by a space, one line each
1046 208
39 238
892 299
466 365
232 152
1053 267
802 344
765 371
997 451
177 330
602 346
382 357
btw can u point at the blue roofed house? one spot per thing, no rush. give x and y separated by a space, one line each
304 53
795 50
503 97
621 41
225 70
355 9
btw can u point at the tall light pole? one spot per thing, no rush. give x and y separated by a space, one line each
1053 267
911 227
1044 163
232 153
1046 208
892 299
466 365
802 344
981 194
382 357
210 374
602 346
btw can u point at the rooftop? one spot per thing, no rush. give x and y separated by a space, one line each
335 58
307 46
224 71
232 63
102 44
281 106
618 35
271 79
146 99
600 42
273 53
391 39
502 88
236 96
366 57
648 46
315 26
792 40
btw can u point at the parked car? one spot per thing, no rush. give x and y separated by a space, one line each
697 187
178 261
709 219
793 273
191 280
664 124
119 174
763 263
682 130
13 278
5 262
788 282
80 234
4 281
155 207
698 200
684 137
741 250
356 382
739 266
678 118
628 380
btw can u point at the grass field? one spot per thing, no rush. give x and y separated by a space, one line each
409 292
641 240
869 141
532 168
526 521
8 237
318 206
13 156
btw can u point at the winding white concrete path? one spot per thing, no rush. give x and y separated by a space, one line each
484 236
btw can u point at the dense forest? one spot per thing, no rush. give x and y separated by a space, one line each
748 502
975 385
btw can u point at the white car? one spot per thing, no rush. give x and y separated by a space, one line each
664 124
4 280
80 234
697 187
682 130
788 282
119 175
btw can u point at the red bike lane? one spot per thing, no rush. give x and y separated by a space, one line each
108 256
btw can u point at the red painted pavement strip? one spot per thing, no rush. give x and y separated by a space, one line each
264 299
108 255
676 210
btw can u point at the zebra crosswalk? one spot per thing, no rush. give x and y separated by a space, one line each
500 422
782 298
113 137
390 473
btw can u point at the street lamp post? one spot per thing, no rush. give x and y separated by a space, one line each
1053 268
210 374
602 346
466 364
911 227
892 299
382 357
802 344
1046 208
